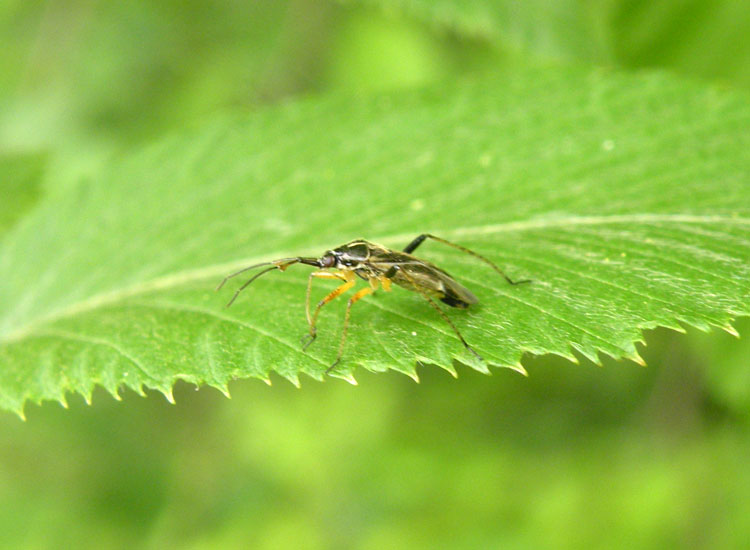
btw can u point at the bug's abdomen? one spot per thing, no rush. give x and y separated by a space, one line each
427 279
454 301
456 295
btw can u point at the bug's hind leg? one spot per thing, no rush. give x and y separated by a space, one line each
412 246
392 273
338 291
454 327
353 300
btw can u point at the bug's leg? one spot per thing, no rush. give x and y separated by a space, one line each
308 339
319 275
385 282
454 327
392 273
353 300
335 293
419 240
412 246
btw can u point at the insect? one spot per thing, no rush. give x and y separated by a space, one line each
380 267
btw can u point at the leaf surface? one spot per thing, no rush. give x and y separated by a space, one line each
625 199
559 29
20 175
698 38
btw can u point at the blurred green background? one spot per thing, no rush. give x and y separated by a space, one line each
619 456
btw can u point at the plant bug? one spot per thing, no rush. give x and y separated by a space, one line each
380 267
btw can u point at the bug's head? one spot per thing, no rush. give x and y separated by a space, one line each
327 260
349 255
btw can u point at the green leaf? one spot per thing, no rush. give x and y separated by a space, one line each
695 37
20 178
623 197
555 29
92 84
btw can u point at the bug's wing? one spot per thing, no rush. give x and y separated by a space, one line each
418 275
456 295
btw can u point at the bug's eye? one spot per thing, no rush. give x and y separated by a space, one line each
327 261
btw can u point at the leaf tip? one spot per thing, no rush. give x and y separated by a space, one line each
223 388
450 369
481 366
596 359
636 358
677 327
349 377
413 375
475 362
294 379
518 367
731 330
167 392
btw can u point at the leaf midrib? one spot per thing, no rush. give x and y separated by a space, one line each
179 278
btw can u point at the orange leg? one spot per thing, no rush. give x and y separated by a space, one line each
319 275
353 300
386 283
347 276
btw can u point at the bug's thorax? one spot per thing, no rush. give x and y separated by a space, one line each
353 256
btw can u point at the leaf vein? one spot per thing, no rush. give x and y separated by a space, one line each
188 276
58 333
161 304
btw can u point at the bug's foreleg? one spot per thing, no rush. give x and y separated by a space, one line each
419 240
319 275
348 277
353 300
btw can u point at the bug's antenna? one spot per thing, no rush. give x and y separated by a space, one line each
222 283
243 287
276 264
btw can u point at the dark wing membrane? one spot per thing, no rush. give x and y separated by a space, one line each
457 295
415 274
